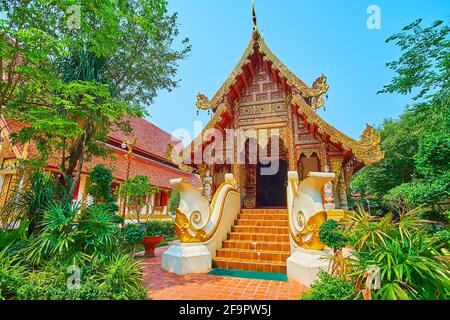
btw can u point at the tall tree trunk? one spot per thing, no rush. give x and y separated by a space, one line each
75 154
79 169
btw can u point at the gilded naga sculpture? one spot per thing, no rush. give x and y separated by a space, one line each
198 221
305 208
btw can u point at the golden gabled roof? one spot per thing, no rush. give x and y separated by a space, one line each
316 91
368 149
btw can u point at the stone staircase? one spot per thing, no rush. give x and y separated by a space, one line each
258 241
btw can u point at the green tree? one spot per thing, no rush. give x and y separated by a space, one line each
136 193
174 201
400 144
415 168
109 68
100 188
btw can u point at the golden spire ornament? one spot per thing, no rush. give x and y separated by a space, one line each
255 25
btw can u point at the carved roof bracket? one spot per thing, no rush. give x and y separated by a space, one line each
367 149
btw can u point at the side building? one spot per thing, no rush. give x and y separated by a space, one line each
147 159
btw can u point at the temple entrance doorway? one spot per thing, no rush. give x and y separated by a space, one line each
271 188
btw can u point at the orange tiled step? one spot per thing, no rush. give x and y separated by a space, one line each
264 211
257 246
252 254
251 265
258 241
258 237
260 230
261 223
258 216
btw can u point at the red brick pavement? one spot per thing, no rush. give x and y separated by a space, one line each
168 286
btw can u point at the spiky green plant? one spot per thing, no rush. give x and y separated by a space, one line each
410 265
30 199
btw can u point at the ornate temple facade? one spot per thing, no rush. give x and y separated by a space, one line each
267 101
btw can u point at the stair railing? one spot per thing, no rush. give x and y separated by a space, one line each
305 209
198 221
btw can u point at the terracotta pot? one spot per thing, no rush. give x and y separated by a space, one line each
150 243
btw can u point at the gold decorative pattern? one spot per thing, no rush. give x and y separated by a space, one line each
277 95
318 88
183 224
367 149
168 152
261 97
247 99
336 166
312 227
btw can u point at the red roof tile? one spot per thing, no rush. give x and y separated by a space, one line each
158 173
149 137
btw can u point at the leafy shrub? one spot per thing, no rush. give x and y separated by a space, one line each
118 219
12 275
133 233
122 279
117 278
99 187
36 268
328 287
27 205
418 193
411 266
442 238
161 228
71 236
330 236
174 201
12 236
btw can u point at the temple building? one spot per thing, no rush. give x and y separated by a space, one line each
146 158
262 96
272 172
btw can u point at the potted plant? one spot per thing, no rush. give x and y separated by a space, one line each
133 234
154 236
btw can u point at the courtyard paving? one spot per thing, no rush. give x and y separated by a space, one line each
168 286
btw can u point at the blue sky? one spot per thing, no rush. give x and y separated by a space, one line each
311 38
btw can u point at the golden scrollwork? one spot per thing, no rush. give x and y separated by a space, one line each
198 225
182 225
310 229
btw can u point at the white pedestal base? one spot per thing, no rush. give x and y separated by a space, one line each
185 258
304 265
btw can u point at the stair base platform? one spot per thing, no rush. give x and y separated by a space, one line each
186 258
304 265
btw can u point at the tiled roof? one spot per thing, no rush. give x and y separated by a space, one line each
158 173
149 137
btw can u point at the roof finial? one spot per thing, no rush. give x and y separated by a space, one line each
255 25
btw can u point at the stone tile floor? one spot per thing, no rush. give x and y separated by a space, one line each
168 286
